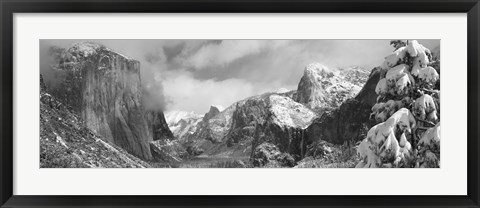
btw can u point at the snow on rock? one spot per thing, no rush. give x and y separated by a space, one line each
317 69
182 122
168 150
323 87
288 113
85 49
60 140
173 117
281 91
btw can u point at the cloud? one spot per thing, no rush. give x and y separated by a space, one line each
228 51
188 93
150 53
191 75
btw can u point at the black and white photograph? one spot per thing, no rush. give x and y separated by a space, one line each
186 103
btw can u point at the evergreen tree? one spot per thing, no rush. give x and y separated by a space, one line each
407 111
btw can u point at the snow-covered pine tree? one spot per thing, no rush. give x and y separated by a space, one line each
407 111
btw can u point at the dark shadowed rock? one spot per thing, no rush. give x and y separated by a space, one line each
267 154
351 120
158 126
194 151
319 149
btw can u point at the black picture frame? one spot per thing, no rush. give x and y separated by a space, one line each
9 7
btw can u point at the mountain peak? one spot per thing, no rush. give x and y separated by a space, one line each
310 90
218 108
318 70
214 110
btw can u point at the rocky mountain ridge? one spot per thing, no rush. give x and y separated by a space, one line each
276 117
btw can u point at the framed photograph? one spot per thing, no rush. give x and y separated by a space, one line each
245 104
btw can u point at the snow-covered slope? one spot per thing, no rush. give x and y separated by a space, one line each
247 123
182 122
323 88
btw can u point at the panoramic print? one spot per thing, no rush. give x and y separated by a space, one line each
239 103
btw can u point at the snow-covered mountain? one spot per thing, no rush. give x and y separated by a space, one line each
182 122
322 88
280 117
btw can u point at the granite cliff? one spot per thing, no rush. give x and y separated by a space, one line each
67 142
104 88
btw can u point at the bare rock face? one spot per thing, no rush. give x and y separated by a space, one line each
67 142
104 88
310 90
351 120
214 110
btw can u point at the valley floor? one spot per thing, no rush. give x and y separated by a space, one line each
331 156
206 162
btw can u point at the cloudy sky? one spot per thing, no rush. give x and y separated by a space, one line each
191 75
